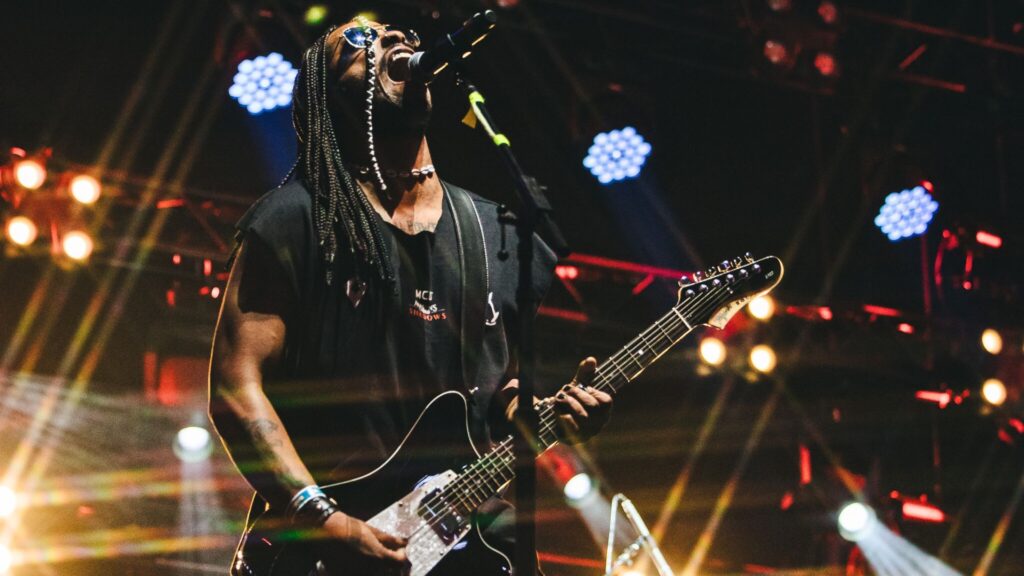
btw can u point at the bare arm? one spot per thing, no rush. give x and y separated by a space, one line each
248 342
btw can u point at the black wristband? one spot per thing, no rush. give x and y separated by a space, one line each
316 511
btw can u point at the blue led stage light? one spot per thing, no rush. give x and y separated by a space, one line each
906 213
617 155
264 83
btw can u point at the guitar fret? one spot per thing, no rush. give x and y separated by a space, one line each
664 332
683 318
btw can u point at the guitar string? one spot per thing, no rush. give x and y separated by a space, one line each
505 447
477 474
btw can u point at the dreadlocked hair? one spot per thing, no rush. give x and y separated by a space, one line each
337 199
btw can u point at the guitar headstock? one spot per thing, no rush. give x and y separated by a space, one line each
714 296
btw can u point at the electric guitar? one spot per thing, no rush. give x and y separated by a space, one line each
430 487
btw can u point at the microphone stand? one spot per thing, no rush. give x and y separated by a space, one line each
644 540
534 214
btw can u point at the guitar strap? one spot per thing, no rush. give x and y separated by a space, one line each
469 234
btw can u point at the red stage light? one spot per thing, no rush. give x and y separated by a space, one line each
829 12
988 239
905 328
882 311
923 512
805 465
207 267
941 398
176 259
786 502
825 312
825 64
775 52
927 185
567 272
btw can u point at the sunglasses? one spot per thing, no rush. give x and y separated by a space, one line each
358 36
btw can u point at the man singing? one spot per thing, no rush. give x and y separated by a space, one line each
346 311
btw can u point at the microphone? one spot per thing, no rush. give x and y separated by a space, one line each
424 66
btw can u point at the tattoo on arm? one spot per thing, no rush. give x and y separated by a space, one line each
264 433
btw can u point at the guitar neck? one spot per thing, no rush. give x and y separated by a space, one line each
486 476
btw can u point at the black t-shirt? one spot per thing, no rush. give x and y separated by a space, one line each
355 377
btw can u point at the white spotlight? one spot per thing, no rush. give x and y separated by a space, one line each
712 350
192 444
992 341
8 502
77 245
21 230
5 559
762 307
578 487
994 391
856 521
30 174
762 358
85 189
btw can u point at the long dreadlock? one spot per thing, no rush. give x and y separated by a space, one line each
337 198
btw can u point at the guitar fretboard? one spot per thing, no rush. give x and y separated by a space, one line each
486 476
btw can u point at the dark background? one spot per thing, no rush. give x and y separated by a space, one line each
745 157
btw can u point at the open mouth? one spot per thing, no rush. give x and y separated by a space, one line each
397 65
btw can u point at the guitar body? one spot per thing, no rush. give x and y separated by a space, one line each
394 498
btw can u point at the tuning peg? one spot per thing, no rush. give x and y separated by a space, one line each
689 294
710 272
683 280
697 276
756 267
730 278
748 257
744 274
737 262
725 265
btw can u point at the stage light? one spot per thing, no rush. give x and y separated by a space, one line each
825 63
21 231
578 487
829 12
617 155
29 173
780 5
566 272
8 502
264 83
77 245
988 239
192 444
922 511
992 341
712 351
316 14
775 52
906 213
855 521
762 358
994 391
762 307
5 559
85 189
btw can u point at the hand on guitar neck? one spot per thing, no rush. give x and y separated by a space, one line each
582 410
